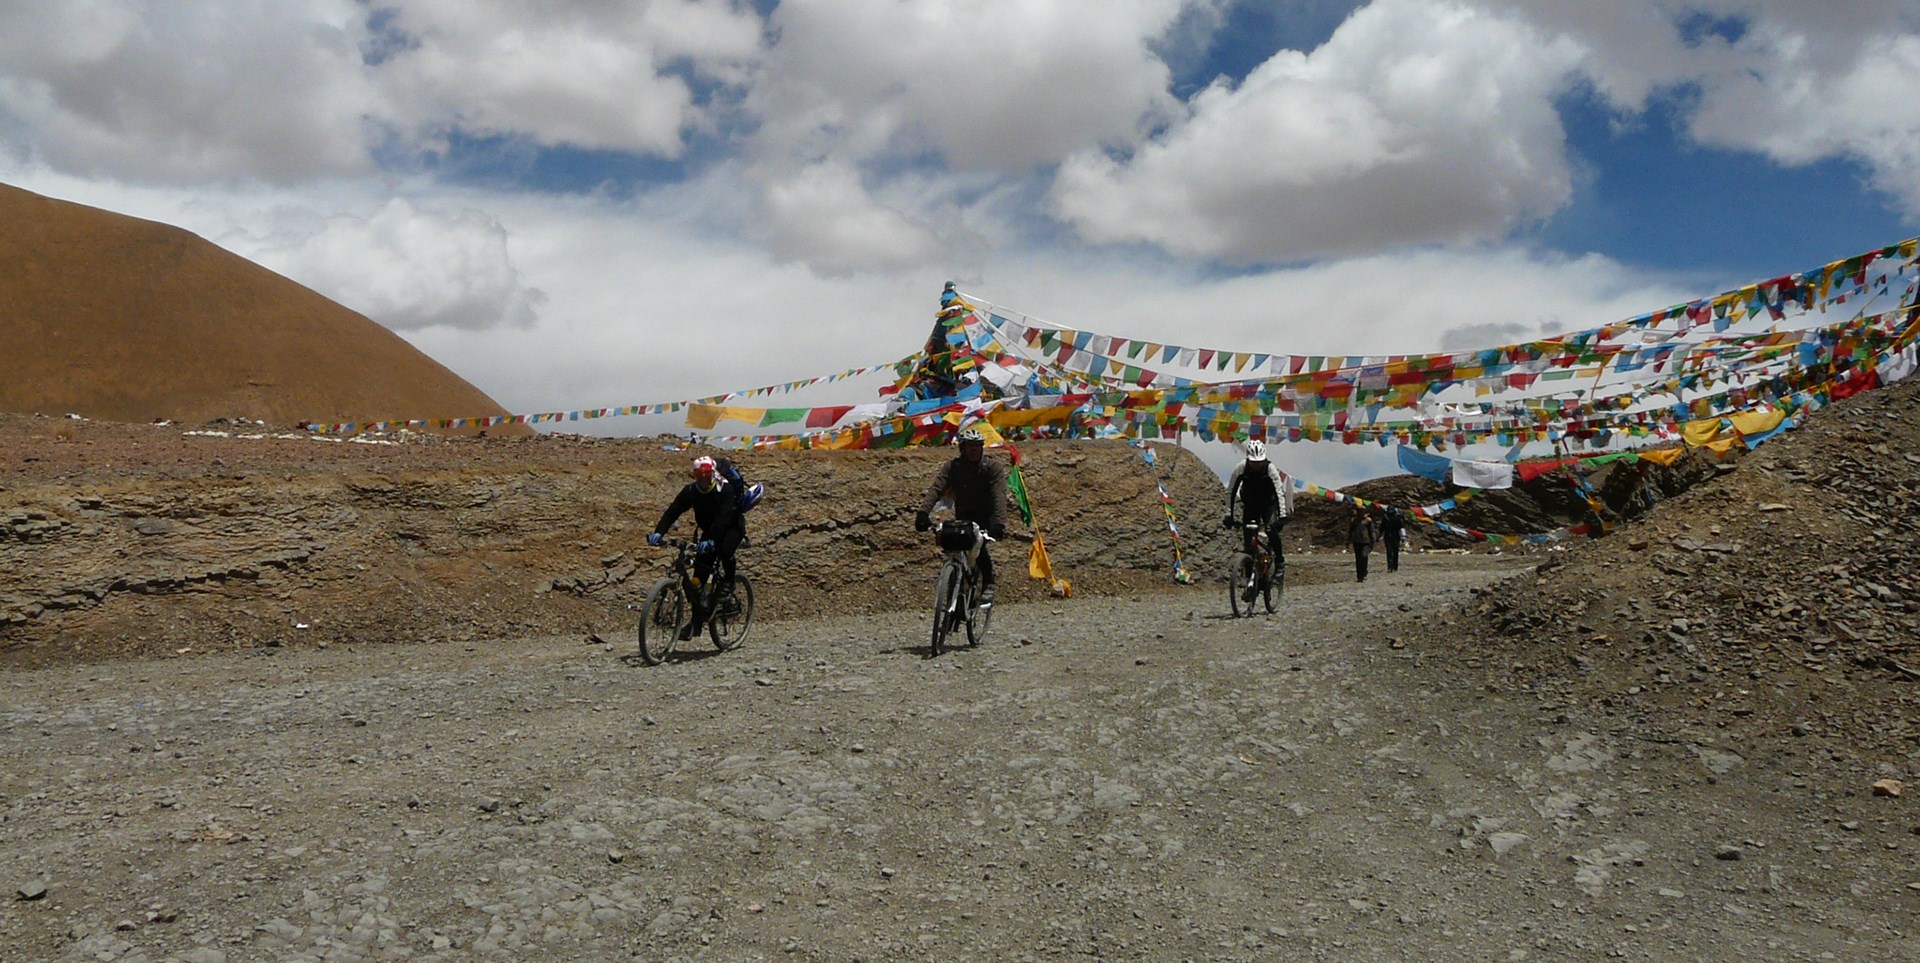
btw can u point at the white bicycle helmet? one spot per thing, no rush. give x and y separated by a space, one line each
971 436
1256 450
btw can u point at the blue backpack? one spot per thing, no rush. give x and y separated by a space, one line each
746 495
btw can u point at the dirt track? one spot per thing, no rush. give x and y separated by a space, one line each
1104 779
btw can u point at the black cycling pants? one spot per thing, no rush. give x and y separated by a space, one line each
724 545
1271 521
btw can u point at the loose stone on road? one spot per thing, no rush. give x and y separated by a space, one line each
1144 778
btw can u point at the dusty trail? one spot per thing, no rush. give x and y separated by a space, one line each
1105 778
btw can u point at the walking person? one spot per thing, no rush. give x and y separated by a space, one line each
1393 530
1361 536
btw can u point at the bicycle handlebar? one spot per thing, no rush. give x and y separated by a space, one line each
982 529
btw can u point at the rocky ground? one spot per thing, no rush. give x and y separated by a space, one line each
172 540
273 698
1778 602
1112 779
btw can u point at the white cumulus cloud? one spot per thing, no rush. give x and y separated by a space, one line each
592 75
184 92
402 264
1416 122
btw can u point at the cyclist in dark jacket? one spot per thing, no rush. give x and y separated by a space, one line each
716 515
1264 492
978 485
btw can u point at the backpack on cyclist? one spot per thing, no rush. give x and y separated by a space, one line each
744 494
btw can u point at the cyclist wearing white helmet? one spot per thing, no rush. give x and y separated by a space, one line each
978 486
1264 492
716 513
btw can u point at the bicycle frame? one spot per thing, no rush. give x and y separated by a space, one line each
963 605
1255 541
682 569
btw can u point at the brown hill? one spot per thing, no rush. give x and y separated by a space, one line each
128 320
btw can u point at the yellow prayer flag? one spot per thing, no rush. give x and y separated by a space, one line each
1758 422
1038 564
702 416
987 434
1700 433
1662 456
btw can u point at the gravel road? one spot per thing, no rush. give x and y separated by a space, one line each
1104 779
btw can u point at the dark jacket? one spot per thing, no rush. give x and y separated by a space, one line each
714 511
1360 532
1393 524
979 491
1261 488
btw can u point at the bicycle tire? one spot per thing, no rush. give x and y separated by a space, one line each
1240 586
978 615
944 603
729 629
1275 587
660 620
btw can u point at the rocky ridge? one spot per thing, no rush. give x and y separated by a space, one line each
123 539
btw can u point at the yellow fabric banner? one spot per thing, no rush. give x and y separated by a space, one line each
1038 564
1662 456
704 417
1056 415
1756 422
1699 433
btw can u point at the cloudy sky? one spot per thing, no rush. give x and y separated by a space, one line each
586 203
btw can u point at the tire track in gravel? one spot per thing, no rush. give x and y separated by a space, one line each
1109 779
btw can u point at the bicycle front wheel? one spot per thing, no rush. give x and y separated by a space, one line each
660 621
1242 586
1275 587
727 626
978 615
946 605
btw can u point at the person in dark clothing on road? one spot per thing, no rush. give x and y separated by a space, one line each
978 486
716 516
1393 531
1361 536
1265 495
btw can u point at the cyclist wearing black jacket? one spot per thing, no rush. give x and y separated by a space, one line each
1264 493
716 515
978 485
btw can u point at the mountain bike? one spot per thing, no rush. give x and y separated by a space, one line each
668 611
1256 573
956 591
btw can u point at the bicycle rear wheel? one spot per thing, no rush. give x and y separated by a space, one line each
946 605
727 626
978 615
1241 586
660 620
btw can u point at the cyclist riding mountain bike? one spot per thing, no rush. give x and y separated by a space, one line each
716 514
978 486
1264 492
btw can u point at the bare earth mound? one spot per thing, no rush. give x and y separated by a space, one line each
118 318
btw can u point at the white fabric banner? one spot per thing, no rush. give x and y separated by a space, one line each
1483 474
1898 366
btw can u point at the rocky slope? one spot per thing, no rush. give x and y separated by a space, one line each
120 539
1779 600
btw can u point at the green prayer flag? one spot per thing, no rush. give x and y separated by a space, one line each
1017 485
